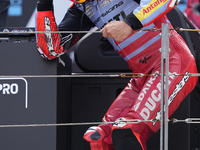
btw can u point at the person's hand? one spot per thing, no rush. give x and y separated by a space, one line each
49 44
118 30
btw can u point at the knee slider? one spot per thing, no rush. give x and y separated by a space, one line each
94 134
98 136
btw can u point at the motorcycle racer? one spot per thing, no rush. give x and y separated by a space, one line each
140 99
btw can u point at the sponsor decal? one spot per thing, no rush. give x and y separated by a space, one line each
6 30
49 37
153 6
8 89
89 11
178 88
109 11
155 96
144 60
88 7
18 30
105 2
150 99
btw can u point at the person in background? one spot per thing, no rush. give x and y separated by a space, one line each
192 12
119 21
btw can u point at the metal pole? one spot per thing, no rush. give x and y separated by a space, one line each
164 86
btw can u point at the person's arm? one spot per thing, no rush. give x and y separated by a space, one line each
75 20
52 45
147 12
48 43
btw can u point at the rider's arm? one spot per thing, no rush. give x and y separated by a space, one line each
52 44
148 11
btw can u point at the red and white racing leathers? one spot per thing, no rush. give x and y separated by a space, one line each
141 98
